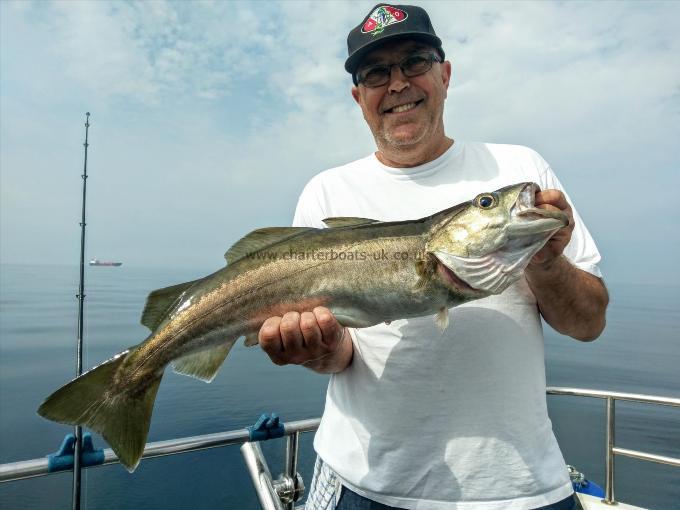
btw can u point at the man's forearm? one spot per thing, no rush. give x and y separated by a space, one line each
335 361
572 301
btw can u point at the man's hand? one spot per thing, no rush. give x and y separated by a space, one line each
572 301
314 339
552 199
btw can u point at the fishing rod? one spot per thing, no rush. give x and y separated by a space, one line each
79 341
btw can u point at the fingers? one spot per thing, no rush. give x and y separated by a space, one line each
552 197
555 200
331 330
270 340
310 330
291 334
549 207
541 257
299 338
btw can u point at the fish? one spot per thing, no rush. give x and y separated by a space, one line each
365 271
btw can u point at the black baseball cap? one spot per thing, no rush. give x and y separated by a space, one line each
385 23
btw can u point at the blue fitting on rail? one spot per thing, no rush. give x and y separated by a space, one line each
266 427
588 487
62 460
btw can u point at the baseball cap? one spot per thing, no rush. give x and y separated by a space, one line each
385 23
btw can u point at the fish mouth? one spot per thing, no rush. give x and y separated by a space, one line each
527 219
528 229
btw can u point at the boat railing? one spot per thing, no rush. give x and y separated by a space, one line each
610 398
282 493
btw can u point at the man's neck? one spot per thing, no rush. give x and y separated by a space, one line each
408 157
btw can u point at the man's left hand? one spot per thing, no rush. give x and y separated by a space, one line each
554 200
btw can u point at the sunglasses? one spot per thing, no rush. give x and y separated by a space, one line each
379 74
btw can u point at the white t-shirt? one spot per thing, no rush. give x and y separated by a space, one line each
457 420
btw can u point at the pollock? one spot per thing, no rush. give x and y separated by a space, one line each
365 271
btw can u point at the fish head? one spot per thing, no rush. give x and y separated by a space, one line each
483 246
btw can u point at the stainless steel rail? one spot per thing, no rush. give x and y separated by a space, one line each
296 488
38 467
290 487
616 395
261 477
282 493
610 398
659 459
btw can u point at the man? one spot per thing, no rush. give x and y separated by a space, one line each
414 418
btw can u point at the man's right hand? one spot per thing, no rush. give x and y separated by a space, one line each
313 339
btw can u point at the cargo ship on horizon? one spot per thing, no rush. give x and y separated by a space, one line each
97 262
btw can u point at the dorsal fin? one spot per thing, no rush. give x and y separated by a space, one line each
160 302
259 239
347 221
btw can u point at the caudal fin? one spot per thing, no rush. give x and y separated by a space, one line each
121 417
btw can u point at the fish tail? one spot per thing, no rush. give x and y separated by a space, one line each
121 417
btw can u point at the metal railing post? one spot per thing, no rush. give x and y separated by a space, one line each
261 477
611 426
291 466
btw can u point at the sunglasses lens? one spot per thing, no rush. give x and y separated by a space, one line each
418 64
378 75
375 76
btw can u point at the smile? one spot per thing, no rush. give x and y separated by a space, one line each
404 107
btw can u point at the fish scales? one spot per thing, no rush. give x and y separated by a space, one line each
363 270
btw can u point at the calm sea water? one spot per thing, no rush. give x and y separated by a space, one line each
639 352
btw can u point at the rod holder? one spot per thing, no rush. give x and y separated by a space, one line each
63 459
267 426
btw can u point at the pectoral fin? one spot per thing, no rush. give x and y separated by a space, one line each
425 269
251 340
204 364
442 318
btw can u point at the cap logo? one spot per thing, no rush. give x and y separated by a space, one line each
382 17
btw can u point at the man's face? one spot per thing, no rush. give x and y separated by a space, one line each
419 101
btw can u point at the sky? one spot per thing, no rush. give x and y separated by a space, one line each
208 118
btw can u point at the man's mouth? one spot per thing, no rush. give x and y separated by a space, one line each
403 107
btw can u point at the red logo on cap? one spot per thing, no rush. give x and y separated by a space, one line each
398 15
382 17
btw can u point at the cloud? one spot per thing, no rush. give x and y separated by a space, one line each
209 117
152 51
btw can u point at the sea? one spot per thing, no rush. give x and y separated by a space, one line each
639 352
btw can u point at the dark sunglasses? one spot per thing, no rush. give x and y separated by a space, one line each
379 74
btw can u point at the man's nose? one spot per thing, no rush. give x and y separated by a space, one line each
398 81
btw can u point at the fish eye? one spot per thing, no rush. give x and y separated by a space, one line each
485 201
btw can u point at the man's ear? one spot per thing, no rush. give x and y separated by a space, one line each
446 75
355 95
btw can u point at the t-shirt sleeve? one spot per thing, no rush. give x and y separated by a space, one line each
581 250
310 211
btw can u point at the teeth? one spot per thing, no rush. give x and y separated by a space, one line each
403 108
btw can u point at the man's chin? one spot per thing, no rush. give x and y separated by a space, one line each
404 136
403 132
